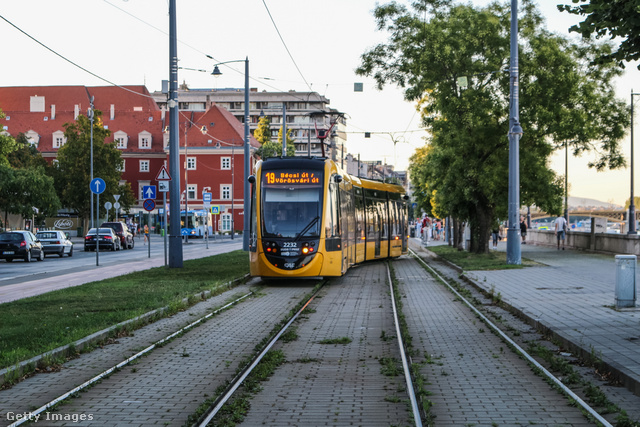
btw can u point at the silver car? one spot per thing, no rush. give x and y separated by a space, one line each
55 242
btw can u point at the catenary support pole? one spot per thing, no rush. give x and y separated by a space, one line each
175 243
515 132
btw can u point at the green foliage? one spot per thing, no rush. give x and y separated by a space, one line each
565 99
263 132
73 173
32 326
610 19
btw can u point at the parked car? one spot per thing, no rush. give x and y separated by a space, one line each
20 244
55 242
122 231
107 239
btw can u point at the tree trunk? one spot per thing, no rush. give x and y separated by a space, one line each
480 230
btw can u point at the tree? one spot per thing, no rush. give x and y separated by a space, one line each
274 149
26 155
263 132
465 172
7 145
73 173
606 18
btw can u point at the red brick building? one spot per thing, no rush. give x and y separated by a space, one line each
211 141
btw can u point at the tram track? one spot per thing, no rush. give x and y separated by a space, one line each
156 361
535 365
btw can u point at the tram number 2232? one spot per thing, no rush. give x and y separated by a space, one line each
289 244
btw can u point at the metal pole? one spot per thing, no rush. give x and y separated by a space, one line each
515 132
97 234
164 204
233 189
247 160
186 184
566 182
284 129
632 205
91 149
175 245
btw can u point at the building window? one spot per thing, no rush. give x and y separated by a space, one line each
191 163
225 163
191 191
225 222
225 192
121 169
144 165
141 185
120 138
58 139
144 140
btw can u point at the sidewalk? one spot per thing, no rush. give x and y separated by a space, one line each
572 296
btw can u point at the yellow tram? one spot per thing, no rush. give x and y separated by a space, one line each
309 219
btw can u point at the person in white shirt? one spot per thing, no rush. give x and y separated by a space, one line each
561 226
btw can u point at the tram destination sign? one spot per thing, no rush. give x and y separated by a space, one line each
288 177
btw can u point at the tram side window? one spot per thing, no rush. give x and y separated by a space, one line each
253 222
359 204
332 224
384 222
372 220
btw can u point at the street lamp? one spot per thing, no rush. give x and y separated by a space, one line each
632 206
247 151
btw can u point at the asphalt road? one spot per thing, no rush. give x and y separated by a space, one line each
20 279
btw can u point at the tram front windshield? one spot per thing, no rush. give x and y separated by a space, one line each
291 204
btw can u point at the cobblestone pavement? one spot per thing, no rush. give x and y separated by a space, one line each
339 384
474 377
166 386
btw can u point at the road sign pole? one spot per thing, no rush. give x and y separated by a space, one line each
98 232
164 205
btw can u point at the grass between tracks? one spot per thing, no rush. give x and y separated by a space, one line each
35 325
468 261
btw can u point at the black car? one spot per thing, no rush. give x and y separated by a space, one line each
122 231
20 244
107 239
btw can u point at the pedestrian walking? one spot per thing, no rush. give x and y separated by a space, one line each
146 234
523 231
561 230
494 234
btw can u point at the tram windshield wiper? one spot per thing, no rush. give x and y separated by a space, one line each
307 228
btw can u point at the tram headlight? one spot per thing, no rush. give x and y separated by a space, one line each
305 250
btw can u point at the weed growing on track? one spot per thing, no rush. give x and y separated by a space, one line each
35 325
341 340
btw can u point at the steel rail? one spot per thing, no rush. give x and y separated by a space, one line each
237 382
518 349
124 363
405 365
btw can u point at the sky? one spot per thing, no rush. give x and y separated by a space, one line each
313 45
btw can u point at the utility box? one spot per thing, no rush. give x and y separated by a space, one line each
625 281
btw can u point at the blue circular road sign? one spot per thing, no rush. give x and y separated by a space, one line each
97 186
149 205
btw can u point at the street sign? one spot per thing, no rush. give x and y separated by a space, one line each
215 209
108 205
163 175
206 197
149 205
149 191
97 185
163 186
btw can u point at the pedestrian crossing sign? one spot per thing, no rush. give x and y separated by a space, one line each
215 209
